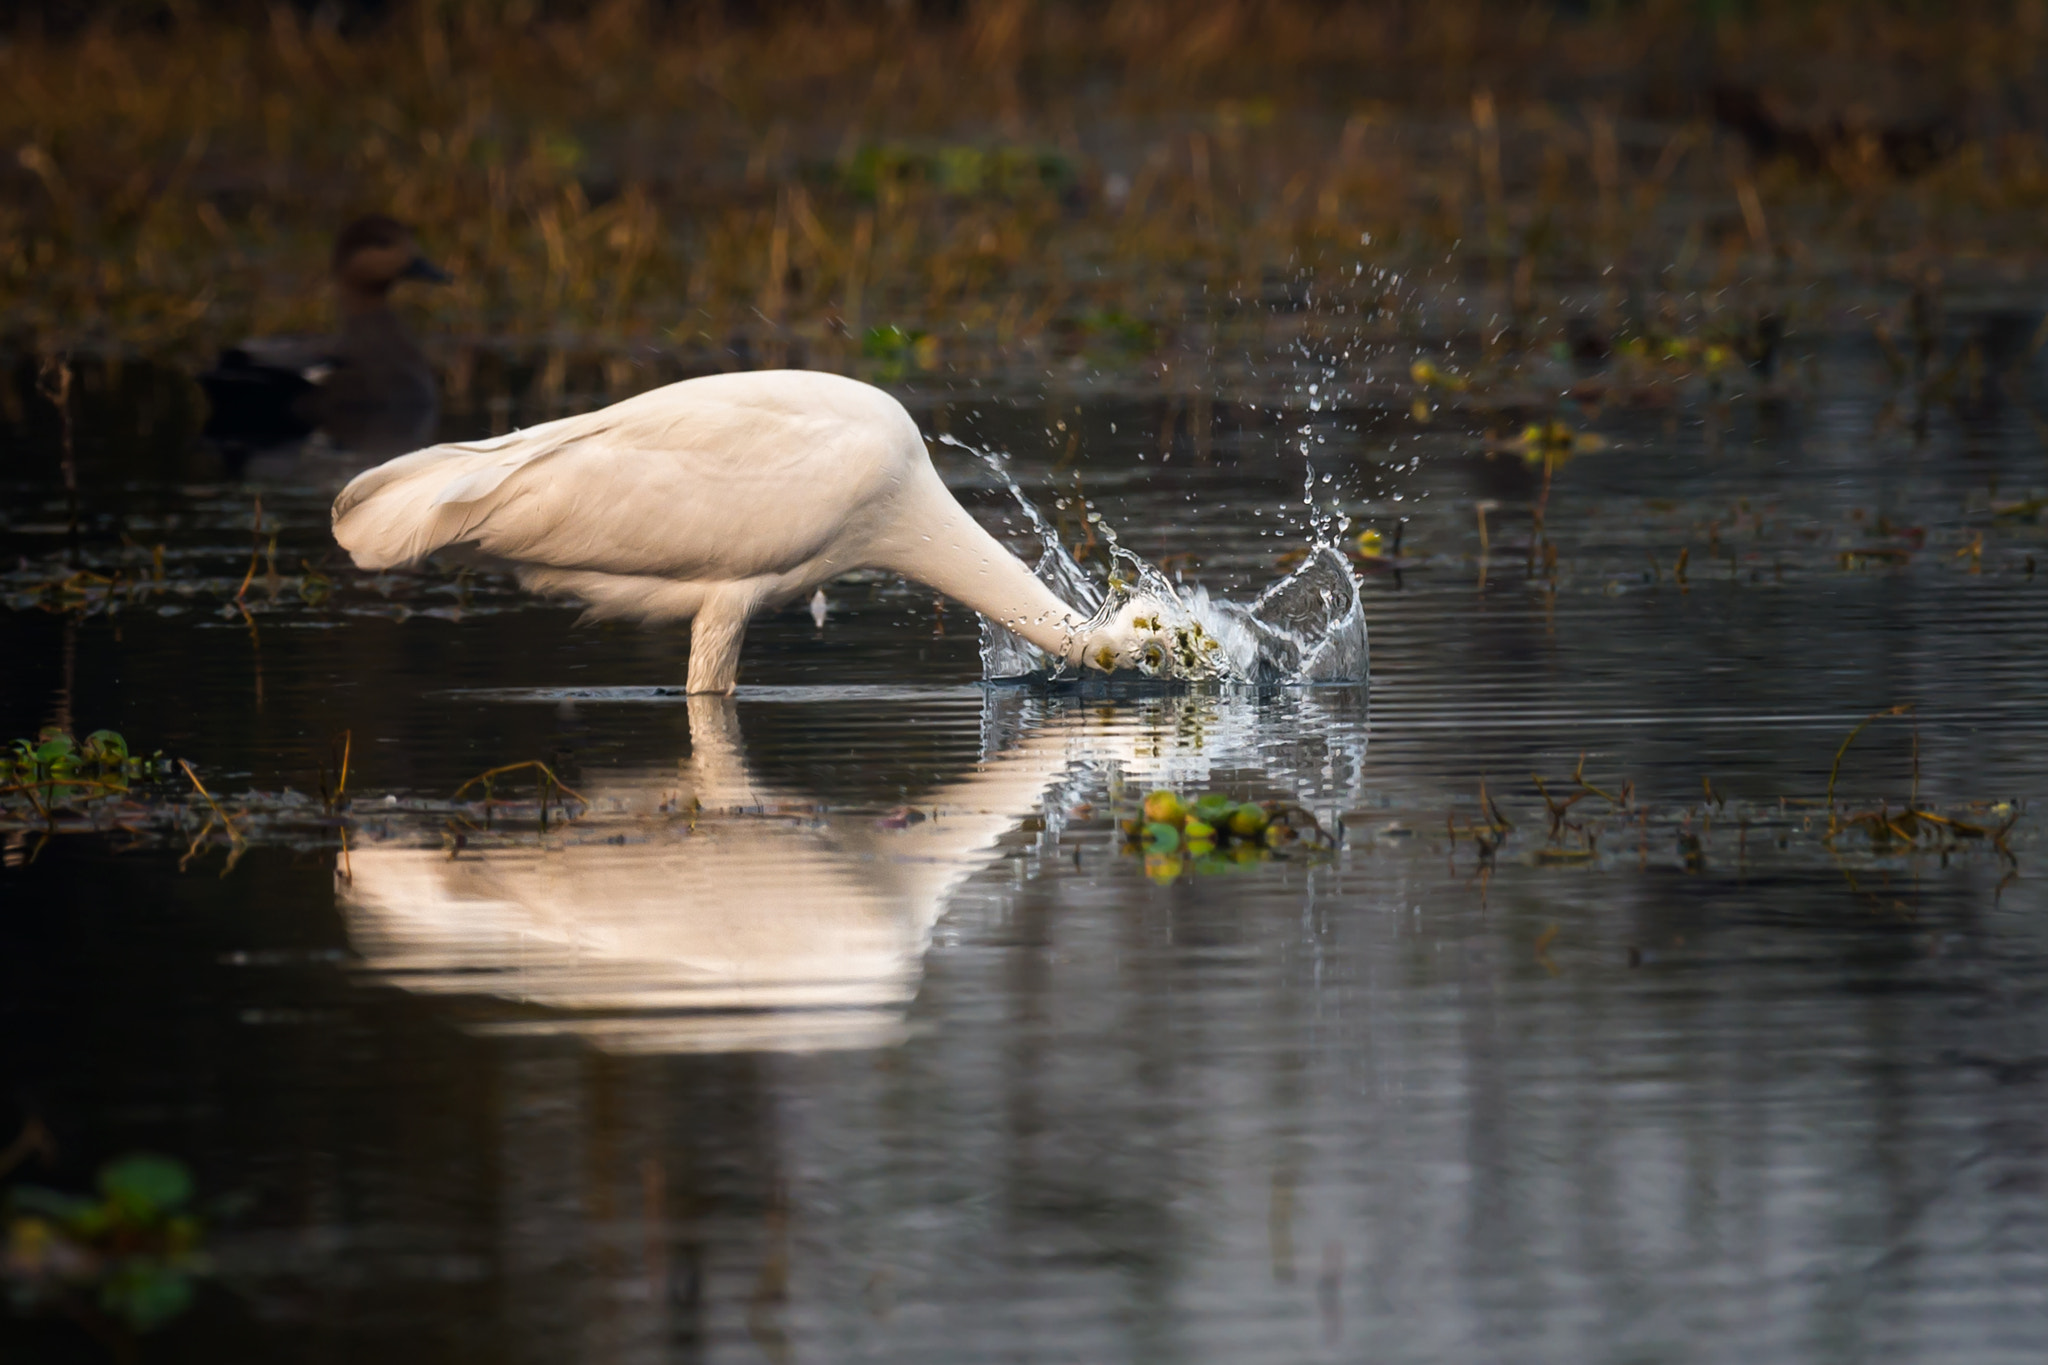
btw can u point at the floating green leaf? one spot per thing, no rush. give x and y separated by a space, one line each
147 1186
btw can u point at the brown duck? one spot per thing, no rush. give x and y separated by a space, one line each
368 386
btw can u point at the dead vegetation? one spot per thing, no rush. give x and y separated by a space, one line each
861 187
1684 833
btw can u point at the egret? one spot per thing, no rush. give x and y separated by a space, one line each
713 499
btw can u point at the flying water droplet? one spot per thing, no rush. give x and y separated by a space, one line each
1308 627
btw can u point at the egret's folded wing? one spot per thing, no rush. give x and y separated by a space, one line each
407 508
725 477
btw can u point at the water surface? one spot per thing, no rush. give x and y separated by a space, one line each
845 1026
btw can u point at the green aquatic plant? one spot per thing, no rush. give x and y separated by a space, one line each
956 169
136 1246
1120 330
1552 443
1215 832
1681 354
896 351
56 785
55 771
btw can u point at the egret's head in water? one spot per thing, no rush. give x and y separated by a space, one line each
1140 633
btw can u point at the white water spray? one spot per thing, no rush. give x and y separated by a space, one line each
1308 627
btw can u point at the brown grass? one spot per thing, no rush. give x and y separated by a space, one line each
1135 179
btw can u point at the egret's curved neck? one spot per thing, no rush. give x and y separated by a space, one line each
936 542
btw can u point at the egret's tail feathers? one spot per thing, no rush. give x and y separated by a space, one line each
394 515
407 508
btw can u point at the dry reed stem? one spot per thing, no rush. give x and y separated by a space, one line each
1835 768
200 787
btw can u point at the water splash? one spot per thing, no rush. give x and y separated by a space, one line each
1308 627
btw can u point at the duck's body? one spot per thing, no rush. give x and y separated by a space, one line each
377 369
712 499
368 385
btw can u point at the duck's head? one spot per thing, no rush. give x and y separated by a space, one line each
376 252
1144 635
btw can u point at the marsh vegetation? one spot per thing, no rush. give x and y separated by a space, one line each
624 187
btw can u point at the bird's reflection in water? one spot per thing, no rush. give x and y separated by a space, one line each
698 909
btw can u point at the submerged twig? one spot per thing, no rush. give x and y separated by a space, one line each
200 787
331 801
1835 769
1492 808
1579 777
548 780
1557 808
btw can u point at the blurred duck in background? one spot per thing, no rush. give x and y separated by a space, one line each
368 387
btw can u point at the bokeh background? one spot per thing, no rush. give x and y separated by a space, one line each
631 189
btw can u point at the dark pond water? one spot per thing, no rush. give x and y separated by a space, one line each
844 1026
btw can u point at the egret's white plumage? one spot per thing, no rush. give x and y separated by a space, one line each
712 499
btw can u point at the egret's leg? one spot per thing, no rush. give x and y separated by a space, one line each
715 638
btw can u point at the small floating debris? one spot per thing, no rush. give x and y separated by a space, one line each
1552 443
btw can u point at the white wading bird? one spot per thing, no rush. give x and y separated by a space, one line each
711 500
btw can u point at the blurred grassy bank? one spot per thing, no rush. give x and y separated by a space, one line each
875 188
